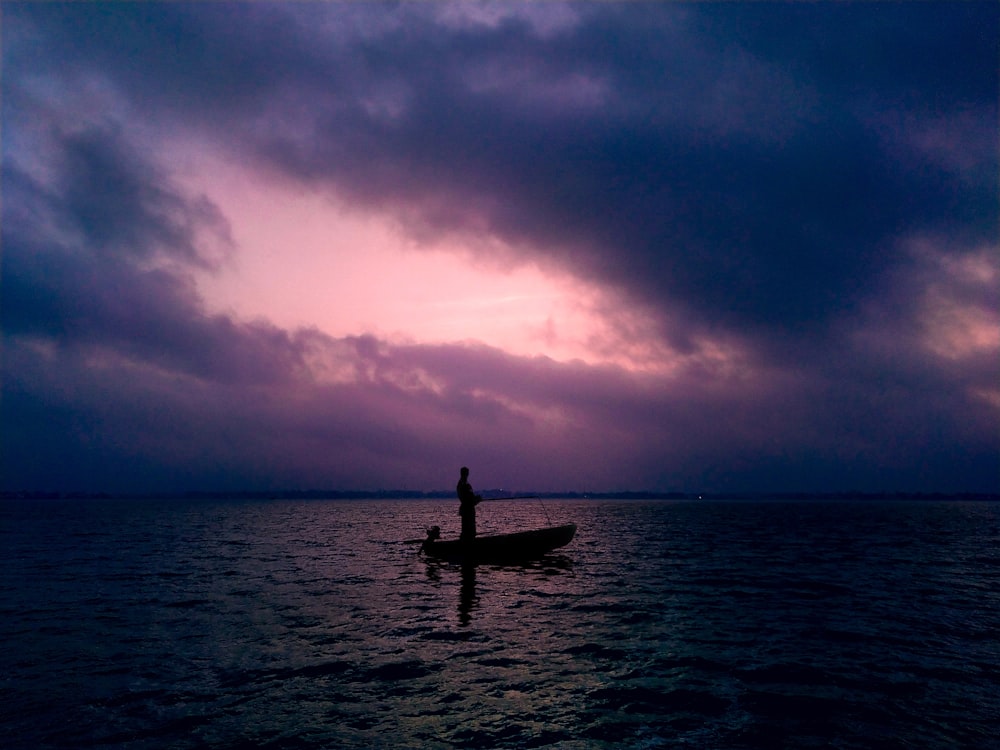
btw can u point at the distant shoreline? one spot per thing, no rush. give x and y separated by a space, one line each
489 495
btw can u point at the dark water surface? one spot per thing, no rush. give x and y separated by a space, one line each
283 624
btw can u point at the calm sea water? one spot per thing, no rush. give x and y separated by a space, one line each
280 624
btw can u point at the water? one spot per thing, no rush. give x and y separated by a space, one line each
281 624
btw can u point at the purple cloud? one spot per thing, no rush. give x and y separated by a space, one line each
816 184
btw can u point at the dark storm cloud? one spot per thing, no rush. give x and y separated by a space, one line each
122 424
76 263
714 180
750 172
738 164
118 203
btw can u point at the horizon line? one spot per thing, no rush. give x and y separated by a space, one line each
496 494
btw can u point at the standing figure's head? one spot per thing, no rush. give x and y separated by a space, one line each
464 471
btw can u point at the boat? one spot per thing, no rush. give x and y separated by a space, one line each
517 547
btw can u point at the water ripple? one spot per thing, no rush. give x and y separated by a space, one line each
280 624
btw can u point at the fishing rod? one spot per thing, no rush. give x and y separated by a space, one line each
527 497
493 499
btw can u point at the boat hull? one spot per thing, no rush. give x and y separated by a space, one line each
523 545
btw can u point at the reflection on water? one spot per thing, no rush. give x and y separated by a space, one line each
468 597
467 600
308 625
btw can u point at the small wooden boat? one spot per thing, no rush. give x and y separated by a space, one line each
517 547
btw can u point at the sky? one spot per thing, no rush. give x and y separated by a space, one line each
706 247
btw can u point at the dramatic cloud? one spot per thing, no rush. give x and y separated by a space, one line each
762 241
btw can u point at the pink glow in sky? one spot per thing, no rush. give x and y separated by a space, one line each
302 260
959 319
584 246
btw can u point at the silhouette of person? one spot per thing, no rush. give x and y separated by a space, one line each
468 500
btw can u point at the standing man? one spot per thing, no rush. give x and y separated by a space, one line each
467 508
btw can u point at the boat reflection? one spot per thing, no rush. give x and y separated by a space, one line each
468 596
467 599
